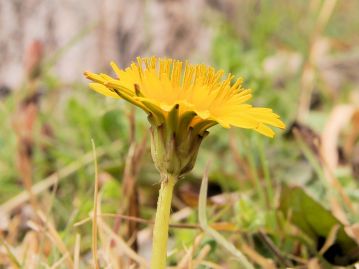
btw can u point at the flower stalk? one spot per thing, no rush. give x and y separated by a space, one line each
160 231
174 153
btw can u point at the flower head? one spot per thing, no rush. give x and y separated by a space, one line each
158 85
183 101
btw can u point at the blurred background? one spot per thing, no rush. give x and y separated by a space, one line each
288 202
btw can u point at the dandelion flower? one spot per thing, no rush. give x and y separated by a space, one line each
182 101
185 100
158 85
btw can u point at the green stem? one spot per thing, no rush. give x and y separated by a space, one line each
160 231
266 172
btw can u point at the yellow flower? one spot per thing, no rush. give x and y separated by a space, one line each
182 101
198 92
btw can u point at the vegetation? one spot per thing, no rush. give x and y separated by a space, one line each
292 202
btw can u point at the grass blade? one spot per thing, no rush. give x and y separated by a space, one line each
202 206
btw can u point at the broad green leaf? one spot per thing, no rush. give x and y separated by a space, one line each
317 222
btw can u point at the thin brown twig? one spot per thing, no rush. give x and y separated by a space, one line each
268 242
215 226
150 222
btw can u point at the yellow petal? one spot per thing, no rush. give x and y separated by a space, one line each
266 116
116 69
94 77
204 114
265 130
103 90
166 107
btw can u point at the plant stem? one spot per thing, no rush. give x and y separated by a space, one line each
160 232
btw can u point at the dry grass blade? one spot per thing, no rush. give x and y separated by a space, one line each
313 264
328 183
121 244
257 258
187 258
338 119
108 236
201 256
332 236
95 206
109 259
202 206
309 70
130 203
54 178
55 238
32 249
211 265
16 264
59 262
324 15
24 121
77 252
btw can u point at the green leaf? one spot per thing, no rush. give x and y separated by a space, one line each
113 124
111 190
317 222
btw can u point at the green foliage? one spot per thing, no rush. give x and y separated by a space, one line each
241 45
247 215
317 222
113 124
